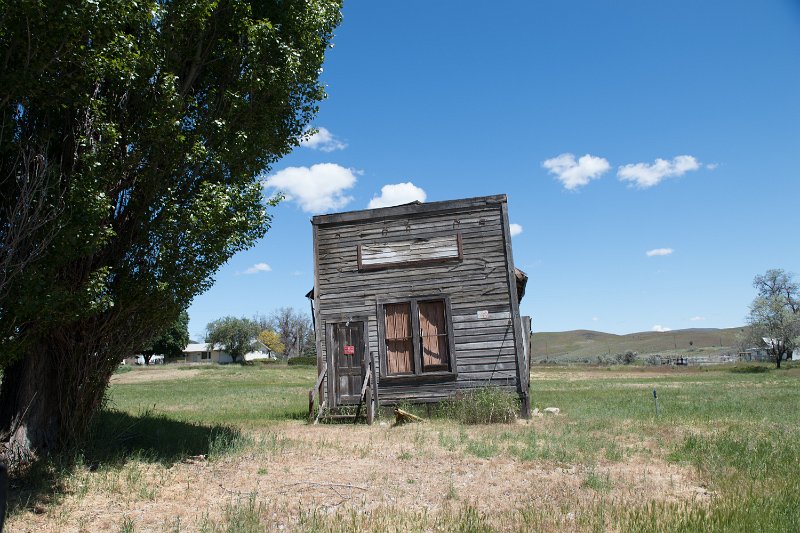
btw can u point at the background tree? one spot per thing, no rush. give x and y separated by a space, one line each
236 336
150 122
172 342
774 316
294 329
272 341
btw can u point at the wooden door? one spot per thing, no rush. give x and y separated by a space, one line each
347 347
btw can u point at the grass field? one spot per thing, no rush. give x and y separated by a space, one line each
224 449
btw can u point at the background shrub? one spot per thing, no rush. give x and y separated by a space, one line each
749 369
654 360
629 357
304 360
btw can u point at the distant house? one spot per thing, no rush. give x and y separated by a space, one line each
206 353
755 353
761 353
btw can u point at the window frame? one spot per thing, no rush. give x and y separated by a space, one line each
419 374
409 264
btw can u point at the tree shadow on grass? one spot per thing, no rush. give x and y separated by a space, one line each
115 439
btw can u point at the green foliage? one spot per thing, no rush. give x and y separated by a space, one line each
774 316
172 342
311 348
303 361
487 405
234 335
151 124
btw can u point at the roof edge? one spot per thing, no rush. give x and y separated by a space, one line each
408 209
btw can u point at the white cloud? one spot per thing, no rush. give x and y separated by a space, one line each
316 189
659 252
515 229
643 175
324 141
258 268
661 329
595 319
712 166
573 174
397 194
697 318
296 273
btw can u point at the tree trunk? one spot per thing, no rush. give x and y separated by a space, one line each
3 497
49 396
778 360
29 411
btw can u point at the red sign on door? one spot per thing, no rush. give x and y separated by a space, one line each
349 349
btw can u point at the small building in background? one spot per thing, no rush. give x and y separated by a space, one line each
755 353
206 353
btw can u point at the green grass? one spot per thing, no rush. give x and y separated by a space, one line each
243 396
485 405
736 428
739 430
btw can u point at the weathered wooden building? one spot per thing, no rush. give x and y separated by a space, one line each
417 302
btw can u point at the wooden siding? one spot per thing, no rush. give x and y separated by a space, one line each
407 253
483 317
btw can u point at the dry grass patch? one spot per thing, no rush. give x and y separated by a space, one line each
150 374
321 471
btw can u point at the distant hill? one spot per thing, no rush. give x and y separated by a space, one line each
580 345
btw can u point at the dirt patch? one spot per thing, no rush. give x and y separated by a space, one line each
141 375
330 468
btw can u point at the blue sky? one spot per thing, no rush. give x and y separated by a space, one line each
616 129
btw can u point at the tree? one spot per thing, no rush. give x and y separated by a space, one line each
172 342
272 341
151 123
775 313
293 327
237 336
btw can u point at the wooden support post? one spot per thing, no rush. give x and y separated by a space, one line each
311 406
525 408
311 394
370 407
364 392
321 409
374 381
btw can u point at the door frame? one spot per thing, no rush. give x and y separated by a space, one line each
329 356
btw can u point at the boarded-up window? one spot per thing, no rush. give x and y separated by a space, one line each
399 339
409 253
433 336
416 337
